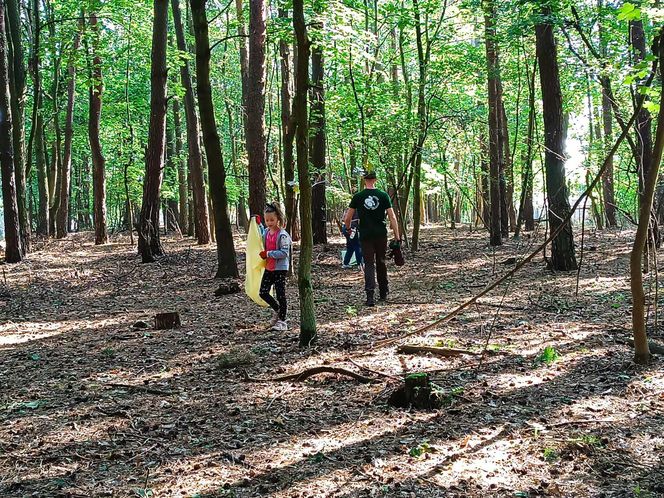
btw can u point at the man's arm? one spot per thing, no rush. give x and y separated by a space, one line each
349 217
393 223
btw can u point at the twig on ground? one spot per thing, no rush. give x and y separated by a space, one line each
414 349
144 389
309 372
377 372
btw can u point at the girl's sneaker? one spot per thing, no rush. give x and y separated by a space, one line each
280 326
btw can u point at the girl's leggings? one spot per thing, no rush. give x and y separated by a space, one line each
278 279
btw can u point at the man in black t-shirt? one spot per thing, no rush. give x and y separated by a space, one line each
372 205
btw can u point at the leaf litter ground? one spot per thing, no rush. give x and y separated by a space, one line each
91 405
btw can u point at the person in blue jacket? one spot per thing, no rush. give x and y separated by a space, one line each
353 245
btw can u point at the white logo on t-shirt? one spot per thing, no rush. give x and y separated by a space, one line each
371 202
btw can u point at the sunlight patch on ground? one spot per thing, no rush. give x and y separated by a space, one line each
18 333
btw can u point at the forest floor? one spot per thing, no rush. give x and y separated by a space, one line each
91 405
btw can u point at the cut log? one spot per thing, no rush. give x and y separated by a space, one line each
413 349
167 321
417 393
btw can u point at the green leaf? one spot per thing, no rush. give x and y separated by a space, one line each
35 357
629 12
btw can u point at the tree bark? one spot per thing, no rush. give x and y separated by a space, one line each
195 158
287 131
422 128
495 127
526 210
13 249
244 70
318 146
641 347
222 225
562 247
256 153
608 190
149 244
55 166
643 127
307 310
17 95
98 160
183 206
62 225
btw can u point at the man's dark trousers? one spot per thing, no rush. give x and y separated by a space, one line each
373 252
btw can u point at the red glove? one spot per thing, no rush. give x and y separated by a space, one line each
263 254
258 219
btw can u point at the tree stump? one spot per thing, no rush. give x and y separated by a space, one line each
416 392
167 321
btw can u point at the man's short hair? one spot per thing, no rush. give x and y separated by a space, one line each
369 175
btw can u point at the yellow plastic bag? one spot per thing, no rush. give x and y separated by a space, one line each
255 264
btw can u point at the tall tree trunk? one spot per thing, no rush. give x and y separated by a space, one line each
17 95
149 244
256 153
526 203
495 127
422 129
13 249
643 127
55 166
183 206
201 214
98 160
42 170
36 131
641 348
224 235
562 250
287 130
307 310
509 221
317 146
244 75
62 225
608 190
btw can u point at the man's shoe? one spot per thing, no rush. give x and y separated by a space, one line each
370 299
383 297
345 267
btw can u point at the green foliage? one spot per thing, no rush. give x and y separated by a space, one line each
421 450
551 455
547 356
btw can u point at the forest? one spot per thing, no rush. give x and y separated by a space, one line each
162 160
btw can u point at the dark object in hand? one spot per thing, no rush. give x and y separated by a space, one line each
396 253
263 254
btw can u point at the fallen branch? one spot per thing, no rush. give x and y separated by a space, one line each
582 421
309 372
413 349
